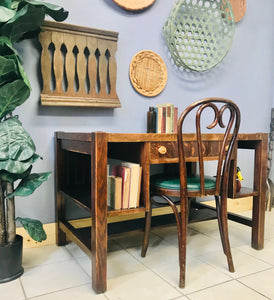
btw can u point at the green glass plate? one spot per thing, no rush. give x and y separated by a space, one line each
199 33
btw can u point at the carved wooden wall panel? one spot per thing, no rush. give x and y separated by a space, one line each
78 66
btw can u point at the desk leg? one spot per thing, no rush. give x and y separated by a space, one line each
99 211
259 202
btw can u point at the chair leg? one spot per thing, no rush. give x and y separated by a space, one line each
181 221
218 211
224 233
147 231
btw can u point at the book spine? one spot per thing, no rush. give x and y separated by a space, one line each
163 123
175 121
168 119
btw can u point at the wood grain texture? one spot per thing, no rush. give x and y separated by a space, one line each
78 66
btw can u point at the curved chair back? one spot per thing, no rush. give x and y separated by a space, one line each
230 132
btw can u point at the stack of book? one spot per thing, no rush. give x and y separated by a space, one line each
166 118
124 185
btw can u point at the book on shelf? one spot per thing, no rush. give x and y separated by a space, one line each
175 119
167 117
114 192
124 173
134 191
139 188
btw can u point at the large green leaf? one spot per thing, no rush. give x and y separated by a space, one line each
9 177
6 47
28 18
15 142
17 167
6 3
56 12
34 228
12 95
8 70
6 14
29 184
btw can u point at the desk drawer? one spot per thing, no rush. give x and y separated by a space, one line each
162 151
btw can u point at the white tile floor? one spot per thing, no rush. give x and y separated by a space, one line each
53 272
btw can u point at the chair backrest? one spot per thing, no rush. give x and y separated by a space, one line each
228 141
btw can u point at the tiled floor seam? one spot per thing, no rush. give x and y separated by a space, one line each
253 289
157 274
253 256
261 271
53 292
22 287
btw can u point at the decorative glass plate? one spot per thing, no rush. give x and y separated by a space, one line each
148 73
199 33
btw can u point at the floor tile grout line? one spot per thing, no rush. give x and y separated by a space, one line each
253 289
211 286
57 291
157 274
253 256
23 289
261 271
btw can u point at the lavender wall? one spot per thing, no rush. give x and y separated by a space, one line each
245 76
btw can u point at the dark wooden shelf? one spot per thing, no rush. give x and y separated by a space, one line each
246 192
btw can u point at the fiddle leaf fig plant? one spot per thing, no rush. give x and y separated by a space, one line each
19 20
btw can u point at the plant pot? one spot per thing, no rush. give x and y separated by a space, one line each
11 260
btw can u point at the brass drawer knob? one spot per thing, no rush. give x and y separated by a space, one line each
162 150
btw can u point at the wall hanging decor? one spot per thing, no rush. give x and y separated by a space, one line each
148 73
199 33
239 8
134 4
78 66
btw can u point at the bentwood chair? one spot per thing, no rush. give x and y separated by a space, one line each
226 115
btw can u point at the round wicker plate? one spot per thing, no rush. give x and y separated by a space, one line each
148 73
199 33
134 4
239 8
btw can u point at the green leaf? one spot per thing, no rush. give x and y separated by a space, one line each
17 167
29 184
15 142
56 12
8 70
6 3
12 95
6 14
34 228
9 177
6 47
28 18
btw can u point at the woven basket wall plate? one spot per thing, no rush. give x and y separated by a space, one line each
148 73
134 4
239 8
199 33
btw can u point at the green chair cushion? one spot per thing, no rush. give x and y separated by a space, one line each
173 183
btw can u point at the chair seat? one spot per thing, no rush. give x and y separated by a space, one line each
173 183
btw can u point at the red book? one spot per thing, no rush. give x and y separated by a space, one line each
124 173
175 119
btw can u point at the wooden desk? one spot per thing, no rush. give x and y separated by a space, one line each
81 177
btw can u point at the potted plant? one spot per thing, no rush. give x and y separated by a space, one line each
19 20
